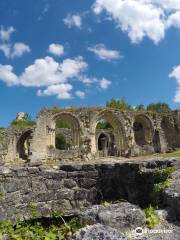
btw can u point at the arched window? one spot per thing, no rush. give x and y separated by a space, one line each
67 132
23 145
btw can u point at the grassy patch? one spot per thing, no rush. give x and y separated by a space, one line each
170 155
151 217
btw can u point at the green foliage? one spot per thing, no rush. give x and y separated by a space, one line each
34 210
140 107
162 180
62 124
118 104
61 142
106 204
1 197
103 125
24 123
37 231
162 175
151 217
159 107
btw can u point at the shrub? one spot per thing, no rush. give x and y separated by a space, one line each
151 217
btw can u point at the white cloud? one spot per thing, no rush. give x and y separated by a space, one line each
174 20
80 94
48 73
73 20
52 78
5 33
167 4
19 49
177 95
104 83
56 49
11 50
6 49
141 18
16 50
7 75
103 53
176 74
87 80
62 91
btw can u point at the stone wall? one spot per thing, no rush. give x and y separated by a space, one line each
29 190
160 133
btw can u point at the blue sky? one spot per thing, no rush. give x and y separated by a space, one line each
83 53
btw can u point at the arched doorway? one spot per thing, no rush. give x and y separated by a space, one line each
143 132
109 135
23 145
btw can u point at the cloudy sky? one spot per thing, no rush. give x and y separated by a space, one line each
73 53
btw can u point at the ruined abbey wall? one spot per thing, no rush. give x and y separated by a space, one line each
132 134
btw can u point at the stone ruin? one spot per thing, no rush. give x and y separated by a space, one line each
128 134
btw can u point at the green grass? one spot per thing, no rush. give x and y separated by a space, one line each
171 155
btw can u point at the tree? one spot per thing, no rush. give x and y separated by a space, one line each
159 107
140 107
118 104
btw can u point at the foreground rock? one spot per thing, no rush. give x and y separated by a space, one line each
98 232
124 216
172 196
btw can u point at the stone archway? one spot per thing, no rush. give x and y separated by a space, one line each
143 130
69 127
118 131
23 145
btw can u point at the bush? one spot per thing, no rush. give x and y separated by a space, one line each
35 230
159 107
118 104
27 122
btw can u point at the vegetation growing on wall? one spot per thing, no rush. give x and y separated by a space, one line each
26 122
162 180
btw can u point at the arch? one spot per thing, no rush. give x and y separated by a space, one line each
143 130
71 122
118 130
23 144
